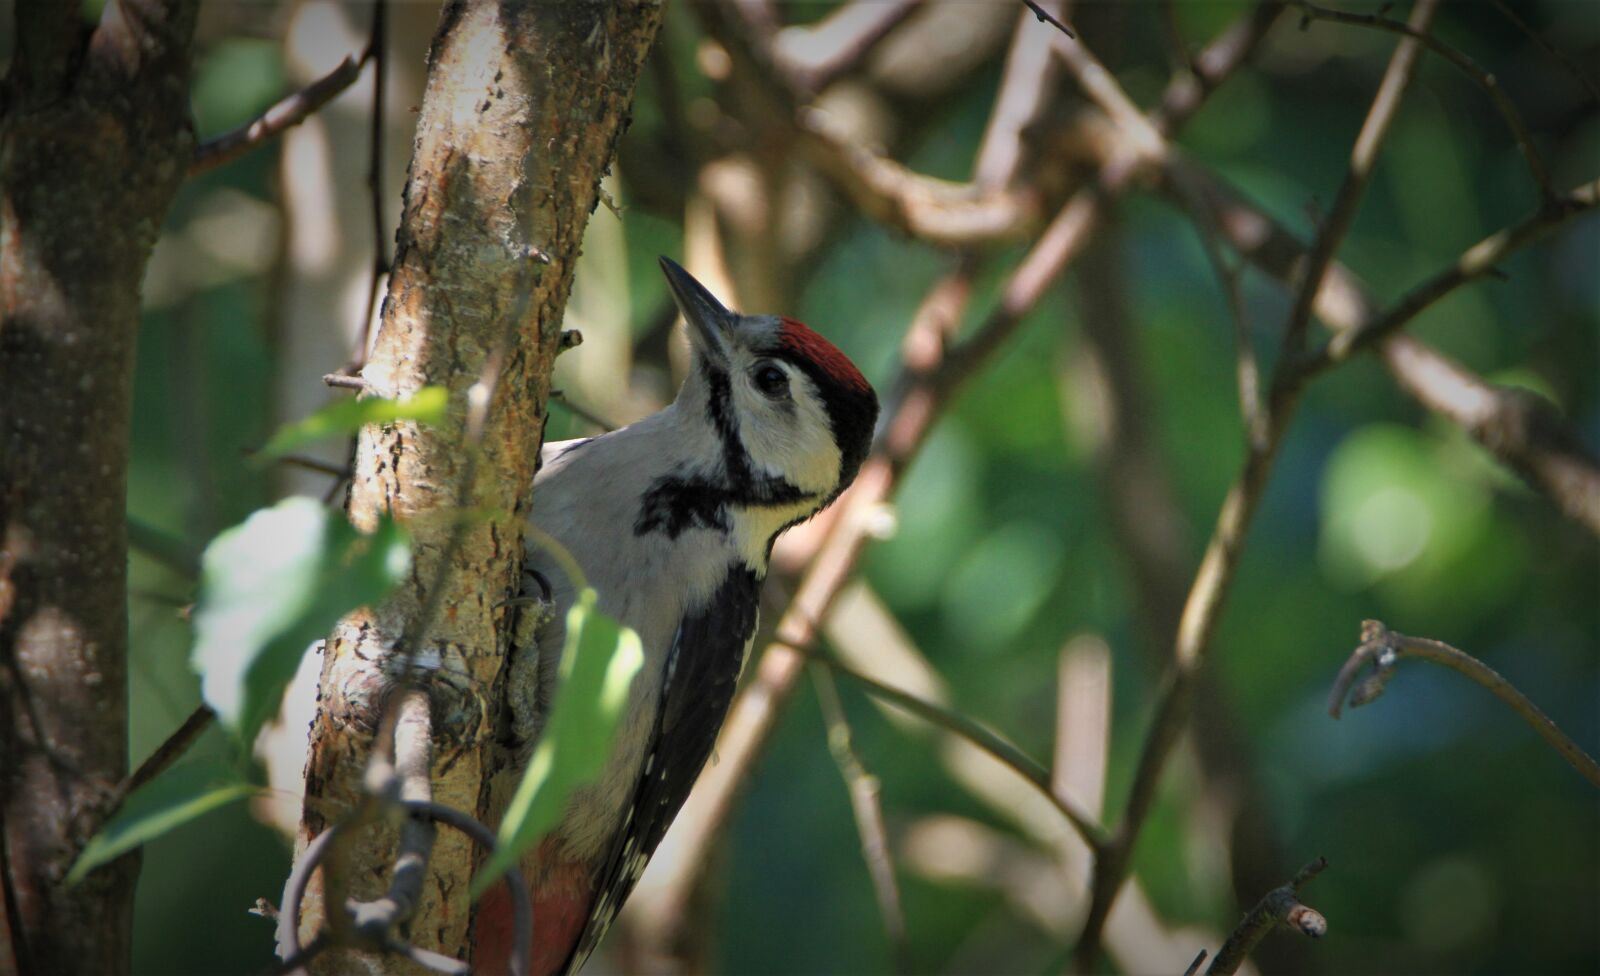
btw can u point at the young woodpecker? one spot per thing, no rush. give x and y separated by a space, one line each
672 519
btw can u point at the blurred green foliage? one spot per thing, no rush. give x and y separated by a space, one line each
1458 841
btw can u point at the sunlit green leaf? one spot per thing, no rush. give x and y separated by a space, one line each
273 585
341 417
598 664
170 800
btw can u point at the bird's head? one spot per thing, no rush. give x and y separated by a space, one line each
792 415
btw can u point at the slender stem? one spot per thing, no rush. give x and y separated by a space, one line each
285 114
168 752
866 804
1384 647
1281 905
984 738
1208 594
1485 80
1363 157
377 50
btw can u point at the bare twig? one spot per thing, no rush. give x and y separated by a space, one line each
1281 905
1474 263
582 413
985 739
344 381
168 752
377 50
1485 80
1363 157
1194 967
1555 53
1045 17
1026 91
1247 369
866 804
340 472
1519 427
1208 594
1383 648
1514 426
287 113
1215 64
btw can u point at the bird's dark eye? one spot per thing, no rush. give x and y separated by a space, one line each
772 381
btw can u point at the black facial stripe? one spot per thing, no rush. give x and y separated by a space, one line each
675 503
719 410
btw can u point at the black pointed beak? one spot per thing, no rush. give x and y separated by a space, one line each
709 321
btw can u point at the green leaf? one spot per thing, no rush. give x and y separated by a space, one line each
598 665
172 799
272 586
427 405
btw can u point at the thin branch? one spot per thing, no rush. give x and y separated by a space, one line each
1555 53
287 113
1247 369
163 548
984 738
1208 594
1522 432
1474 263
1282 906
1363 157
866 804
1026 92
1045 17
1194 967
1383 648
1485 80
582 413
377 50
344 381
168 752
341 472
1518 427
1214 65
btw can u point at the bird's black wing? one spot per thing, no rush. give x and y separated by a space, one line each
702 670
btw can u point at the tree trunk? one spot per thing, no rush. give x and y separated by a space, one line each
94 139
523 107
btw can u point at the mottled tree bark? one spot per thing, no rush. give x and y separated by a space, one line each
523 107
94 139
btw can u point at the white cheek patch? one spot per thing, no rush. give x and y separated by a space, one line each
790 439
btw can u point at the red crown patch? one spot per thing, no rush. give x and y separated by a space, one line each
805 344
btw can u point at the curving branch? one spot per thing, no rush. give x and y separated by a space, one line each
1518 428
1280 906
985 739
867 805
1484 79
1383 649
290 111
1208 594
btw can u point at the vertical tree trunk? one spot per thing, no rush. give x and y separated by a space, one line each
524 103
94 140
